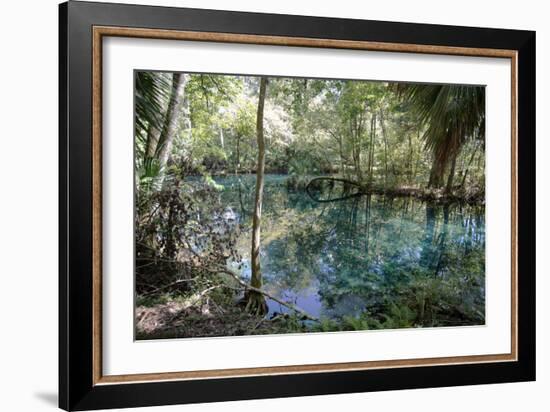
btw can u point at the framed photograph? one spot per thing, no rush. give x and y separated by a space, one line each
256 205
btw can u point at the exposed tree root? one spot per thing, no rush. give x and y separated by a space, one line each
257 291
254 303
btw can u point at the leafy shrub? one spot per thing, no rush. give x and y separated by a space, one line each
182 232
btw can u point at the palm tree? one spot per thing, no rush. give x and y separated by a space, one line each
151 100
159 99
453 114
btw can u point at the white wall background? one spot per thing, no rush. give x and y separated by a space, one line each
28 204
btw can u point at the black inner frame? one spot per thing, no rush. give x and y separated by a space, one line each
76 388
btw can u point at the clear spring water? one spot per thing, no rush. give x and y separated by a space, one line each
401 261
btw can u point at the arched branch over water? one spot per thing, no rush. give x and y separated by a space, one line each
314 183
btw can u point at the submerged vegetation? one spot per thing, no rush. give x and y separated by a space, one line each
276 205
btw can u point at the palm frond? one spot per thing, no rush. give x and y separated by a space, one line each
453 114
151 94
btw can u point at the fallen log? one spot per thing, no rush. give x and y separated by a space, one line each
434 195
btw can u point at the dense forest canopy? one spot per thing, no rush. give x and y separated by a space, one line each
377 133
231 170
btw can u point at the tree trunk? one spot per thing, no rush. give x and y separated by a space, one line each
171 123
450 179
255 301
153 136
468 167
384 134
411 159
435 177
342 160
371 148
238 155
222 143
356 148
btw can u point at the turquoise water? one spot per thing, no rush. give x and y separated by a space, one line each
398 262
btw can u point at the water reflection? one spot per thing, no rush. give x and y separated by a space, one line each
399 262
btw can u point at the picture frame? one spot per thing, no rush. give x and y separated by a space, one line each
83 27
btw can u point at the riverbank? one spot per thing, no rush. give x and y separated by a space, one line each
207 319
350 188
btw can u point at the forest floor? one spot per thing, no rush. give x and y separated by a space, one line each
174 320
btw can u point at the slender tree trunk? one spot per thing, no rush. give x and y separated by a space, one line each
357 161
384 134
356 149
238 155
342 160
371 153
411 158
255 301
222 143
172 121
468 167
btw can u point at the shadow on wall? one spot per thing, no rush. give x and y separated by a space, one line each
49 398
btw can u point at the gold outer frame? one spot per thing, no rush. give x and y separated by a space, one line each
102 31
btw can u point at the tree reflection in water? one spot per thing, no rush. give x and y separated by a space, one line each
386 262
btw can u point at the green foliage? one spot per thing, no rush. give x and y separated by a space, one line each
181 234
453 114
364 131
194 210
151 94
148 173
